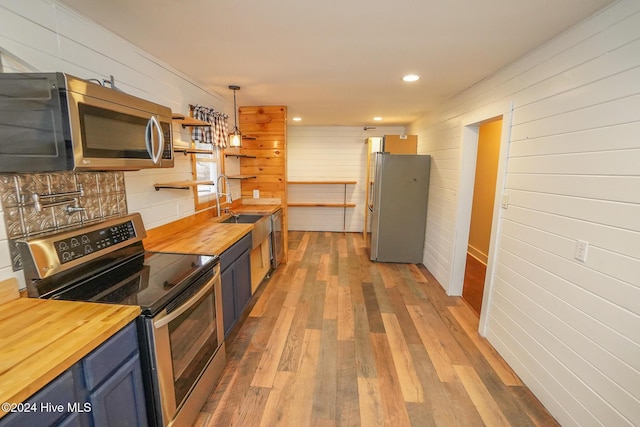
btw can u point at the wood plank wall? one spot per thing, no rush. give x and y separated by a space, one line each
570 329
266 128
47 36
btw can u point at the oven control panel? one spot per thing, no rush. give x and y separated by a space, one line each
49 254
83 244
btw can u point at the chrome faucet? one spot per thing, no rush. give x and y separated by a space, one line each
227 189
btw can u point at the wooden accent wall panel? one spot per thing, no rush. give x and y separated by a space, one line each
268 125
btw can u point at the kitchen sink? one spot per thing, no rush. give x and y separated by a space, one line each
243 219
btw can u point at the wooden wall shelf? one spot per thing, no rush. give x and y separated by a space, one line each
246 156
186 151
322 182
241 176
322 205
344 205
186 121
181 185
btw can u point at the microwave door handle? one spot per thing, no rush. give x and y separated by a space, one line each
160 141
158 323
148 138
153 123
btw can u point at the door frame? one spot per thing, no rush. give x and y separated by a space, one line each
469 145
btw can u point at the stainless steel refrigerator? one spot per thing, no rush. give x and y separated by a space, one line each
398 204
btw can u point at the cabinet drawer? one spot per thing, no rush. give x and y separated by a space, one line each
109 356
230 255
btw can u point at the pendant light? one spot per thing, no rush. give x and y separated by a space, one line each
235 137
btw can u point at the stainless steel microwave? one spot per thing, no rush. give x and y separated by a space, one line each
57 122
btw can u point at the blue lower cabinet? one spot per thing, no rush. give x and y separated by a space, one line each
104 389
119 401
235 264
73 420
104 360
48 406
229 314
113 381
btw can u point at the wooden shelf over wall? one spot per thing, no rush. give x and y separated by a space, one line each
181 185
246 156
322 182
187 121
186 151
322 205
343 206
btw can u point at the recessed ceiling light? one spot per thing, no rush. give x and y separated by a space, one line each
411 78
377 119
297 119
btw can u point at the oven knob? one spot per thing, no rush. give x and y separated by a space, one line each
63 246
88 249
85 239
66 256
74 242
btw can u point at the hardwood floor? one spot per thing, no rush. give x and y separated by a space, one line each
333 339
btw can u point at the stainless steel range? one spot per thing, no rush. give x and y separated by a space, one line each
180 329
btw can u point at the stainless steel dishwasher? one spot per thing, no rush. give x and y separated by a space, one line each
277 245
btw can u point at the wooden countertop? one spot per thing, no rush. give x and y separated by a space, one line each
209 237
40 339
206 237
256 209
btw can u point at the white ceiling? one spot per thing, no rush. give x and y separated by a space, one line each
338 62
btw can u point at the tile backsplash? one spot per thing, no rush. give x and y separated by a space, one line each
40 203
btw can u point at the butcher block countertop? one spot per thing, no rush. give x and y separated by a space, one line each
256 209
209 237
205 237
40 339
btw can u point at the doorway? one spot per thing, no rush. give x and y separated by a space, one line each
484 190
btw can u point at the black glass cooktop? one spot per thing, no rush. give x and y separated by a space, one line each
150 280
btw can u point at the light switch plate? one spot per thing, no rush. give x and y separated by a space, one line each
581 250
505 201
256 194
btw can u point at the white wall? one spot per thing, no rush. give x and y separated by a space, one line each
570 329
329 153
49 37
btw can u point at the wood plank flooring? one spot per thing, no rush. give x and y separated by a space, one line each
332 339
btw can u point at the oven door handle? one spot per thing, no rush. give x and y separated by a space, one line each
168 318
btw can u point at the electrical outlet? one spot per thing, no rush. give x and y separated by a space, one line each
581 250
256 194
505 201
